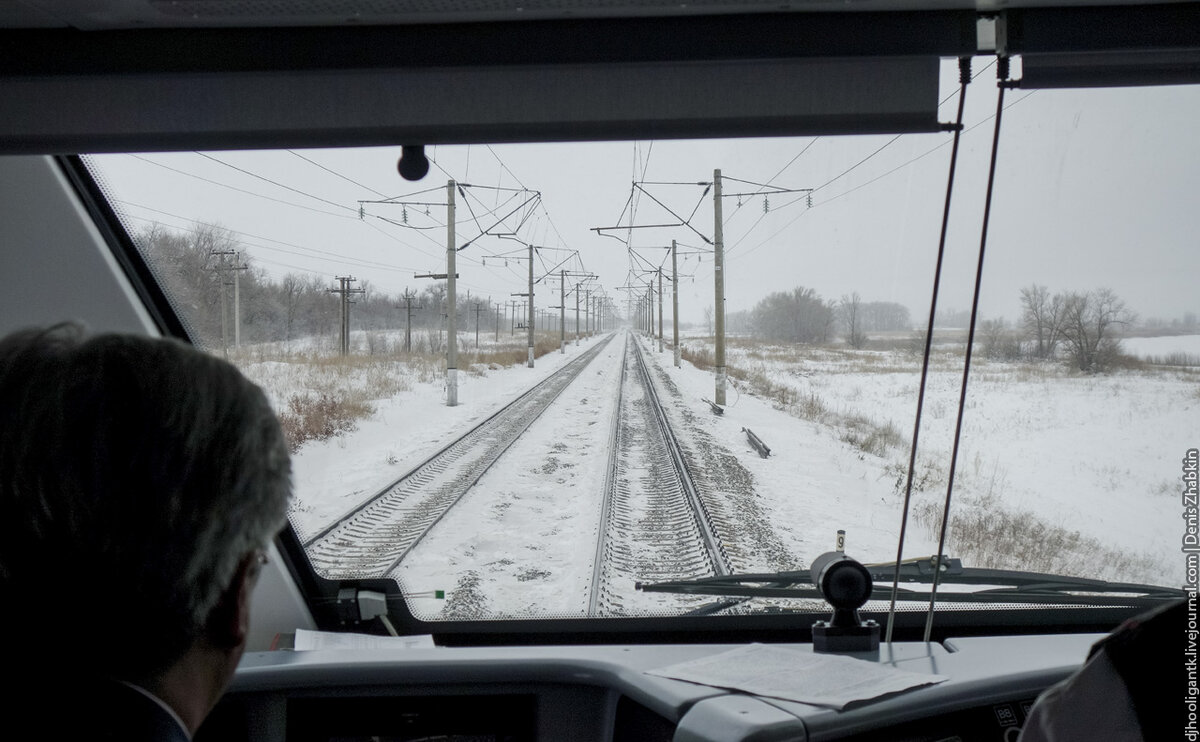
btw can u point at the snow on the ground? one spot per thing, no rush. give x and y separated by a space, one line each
522 541
331 477
812 484
1095 454
1159 347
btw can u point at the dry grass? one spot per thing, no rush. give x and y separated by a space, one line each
986 535
870 436
1187 360
511 354
866 434
319 394
319 417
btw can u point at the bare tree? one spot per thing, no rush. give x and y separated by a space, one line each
1089 324
708 318
293 290
884 316
797 316
850 309
998 342
1042 318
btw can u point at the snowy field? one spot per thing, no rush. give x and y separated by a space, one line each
1083 467
1160 347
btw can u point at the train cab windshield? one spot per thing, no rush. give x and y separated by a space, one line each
589 382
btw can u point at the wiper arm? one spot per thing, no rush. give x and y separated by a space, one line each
1005 586
794 583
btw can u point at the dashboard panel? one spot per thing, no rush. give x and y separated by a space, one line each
603 693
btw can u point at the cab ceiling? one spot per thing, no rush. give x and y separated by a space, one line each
134 14
122 75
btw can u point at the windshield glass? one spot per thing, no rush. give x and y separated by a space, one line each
420 456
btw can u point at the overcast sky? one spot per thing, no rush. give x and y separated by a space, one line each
1095 188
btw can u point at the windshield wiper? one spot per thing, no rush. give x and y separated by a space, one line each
995 586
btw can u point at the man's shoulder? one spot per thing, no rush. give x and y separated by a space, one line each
95 709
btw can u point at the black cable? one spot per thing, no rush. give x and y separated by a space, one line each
272 182
1002 76
334 172
810 191
964 66
240 190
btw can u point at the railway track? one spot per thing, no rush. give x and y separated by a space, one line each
372 539
654 524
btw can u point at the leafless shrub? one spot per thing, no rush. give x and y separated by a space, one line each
870 436
916 343
927 476
998 342
319 418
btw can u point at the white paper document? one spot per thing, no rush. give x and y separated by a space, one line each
306 639
793 675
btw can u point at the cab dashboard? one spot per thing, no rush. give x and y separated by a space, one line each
604 694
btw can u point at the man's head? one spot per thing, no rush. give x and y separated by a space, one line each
140 482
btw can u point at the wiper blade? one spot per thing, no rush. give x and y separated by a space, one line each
996 586
795 583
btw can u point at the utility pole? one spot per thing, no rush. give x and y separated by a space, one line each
224 269
562 312
660 310
478 309
345 291
498 306
719 279
675 302
577 314
527 313
237 300
408 299
452 302
650 308
531 305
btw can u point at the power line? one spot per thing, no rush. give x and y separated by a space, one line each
309 252
239 190
879 177
273 182
746 234
333 172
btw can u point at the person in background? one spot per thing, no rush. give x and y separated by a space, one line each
141 484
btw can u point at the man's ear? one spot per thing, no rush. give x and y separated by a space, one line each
229 623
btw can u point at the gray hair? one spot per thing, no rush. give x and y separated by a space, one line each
136 474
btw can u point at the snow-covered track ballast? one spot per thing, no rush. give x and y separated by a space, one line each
372 539
654 525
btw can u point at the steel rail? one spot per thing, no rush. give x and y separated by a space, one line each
666 529
374 537
712 540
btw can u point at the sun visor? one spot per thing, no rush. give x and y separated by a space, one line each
471 103
1110 69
